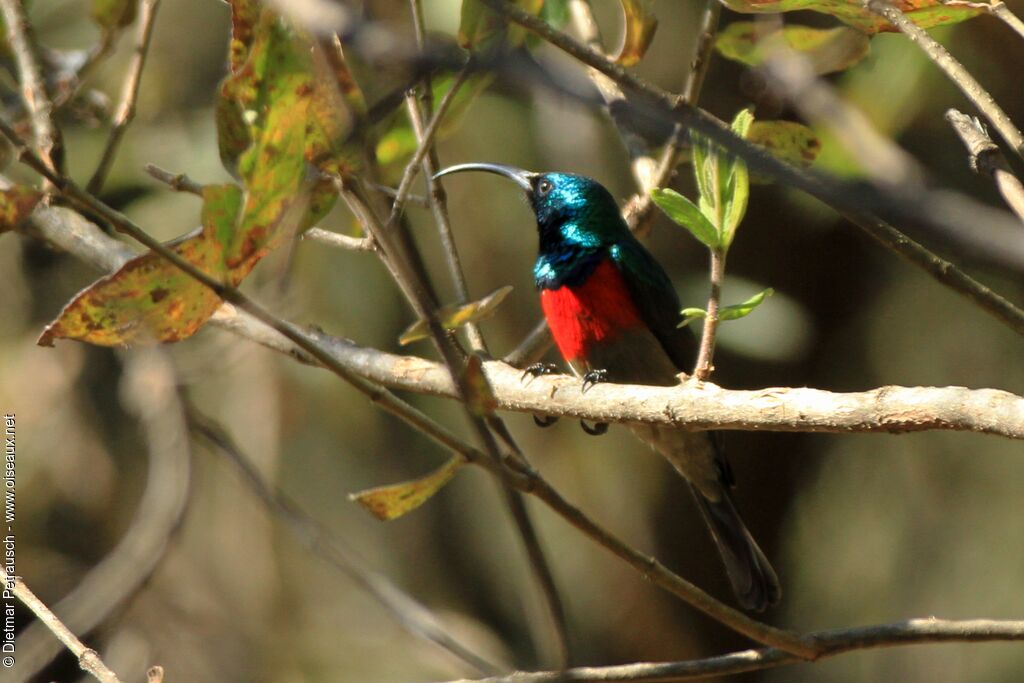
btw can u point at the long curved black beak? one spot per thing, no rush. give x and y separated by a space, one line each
517 175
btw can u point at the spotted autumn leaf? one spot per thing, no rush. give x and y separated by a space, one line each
640 25
149 299
454 316
792 142
393 501
17 204
829 50
924 13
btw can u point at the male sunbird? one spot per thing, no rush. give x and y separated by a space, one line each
614 315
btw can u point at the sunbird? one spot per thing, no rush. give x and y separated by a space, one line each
614 316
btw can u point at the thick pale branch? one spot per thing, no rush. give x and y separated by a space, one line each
693 405
911 632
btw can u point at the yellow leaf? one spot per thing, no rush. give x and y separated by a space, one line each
638 33
453 316
393 501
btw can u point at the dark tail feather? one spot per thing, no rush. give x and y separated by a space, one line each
752 577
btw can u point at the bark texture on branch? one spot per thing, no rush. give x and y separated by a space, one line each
693 405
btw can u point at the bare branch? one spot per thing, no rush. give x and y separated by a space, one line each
179 182
129 94
911 632
985 158
954 70
33 83
88 659
340 241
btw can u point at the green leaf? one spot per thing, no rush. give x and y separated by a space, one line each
640 25
736 311
393 501
737 182
453 316
924 13
16 204
113 15
733 312
829 50
790 141
682 211
482 30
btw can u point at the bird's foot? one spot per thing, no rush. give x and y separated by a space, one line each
594 377
538 369
545 421
598 429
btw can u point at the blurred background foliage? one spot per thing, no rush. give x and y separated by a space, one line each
862 528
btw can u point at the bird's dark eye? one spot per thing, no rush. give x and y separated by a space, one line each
543 187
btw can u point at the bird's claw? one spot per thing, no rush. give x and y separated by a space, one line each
598 429
538 369
545 421
594 377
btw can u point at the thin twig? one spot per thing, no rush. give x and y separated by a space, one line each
640 209
854 205
336 239
33 83
409 612
150 382
88 659
706 354
837 642
129 95
538 561
985 158
179 182
954 70
996 8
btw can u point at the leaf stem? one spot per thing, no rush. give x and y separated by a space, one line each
705 356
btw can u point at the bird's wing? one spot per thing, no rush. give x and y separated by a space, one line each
656 300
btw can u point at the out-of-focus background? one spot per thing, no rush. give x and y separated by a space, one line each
862 528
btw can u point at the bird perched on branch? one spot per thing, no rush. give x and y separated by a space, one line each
614 315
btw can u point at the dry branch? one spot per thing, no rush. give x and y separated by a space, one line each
911 632
88 659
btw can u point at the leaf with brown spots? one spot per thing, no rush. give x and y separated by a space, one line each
149 299
393 501
924 13
790 141
17 204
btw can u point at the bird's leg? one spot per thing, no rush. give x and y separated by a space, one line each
536 370
590 378
594 377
